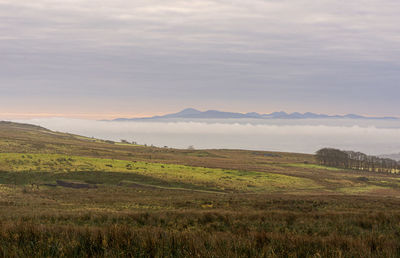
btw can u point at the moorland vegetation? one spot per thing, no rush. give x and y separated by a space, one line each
69 195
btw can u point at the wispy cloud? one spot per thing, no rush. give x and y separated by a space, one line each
333 56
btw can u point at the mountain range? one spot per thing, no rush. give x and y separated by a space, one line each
191 113
394 156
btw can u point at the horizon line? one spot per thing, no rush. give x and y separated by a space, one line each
130 115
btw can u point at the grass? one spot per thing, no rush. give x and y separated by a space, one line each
361 189
162 202
250 226
207 178
312 166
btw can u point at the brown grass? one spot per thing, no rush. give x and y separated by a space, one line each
357 214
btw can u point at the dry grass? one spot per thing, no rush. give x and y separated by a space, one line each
185 203
250 226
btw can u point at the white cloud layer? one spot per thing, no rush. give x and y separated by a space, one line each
277 135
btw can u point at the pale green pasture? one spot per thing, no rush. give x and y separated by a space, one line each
228 180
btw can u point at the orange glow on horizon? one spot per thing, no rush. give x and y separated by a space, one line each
110 116
74 115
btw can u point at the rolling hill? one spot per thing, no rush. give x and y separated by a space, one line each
219 170
69 195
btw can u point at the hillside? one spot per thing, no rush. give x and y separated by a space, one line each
250 167
68 195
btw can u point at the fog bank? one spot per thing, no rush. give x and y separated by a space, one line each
306 136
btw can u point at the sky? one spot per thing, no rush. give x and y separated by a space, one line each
118 58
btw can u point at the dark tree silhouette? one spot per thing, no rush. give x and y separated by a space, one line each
356 160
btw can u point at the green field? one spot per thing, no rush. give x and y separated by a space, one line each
46 168
69 195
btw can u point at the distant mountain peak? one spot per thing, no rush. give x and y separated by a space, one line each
192 113
189 111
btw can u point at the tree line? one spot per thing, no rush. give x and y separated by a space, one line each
356 160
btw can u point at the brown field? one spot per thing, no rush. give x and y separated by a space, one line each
68 195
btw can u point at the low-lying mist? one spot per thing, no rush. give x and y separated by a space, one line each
306 136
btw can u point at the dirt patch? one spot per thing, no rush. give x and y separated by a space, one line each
77 185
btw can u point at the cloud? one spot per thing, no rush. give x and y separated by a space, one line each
370 136
299 54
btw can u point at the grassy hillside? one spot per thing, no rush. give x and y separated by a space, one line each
68 195
234 170
45 168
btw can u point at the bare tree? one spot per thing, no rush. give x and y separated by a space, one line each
356 160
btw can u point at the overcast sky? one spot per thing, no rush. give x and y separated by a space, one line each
112 58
